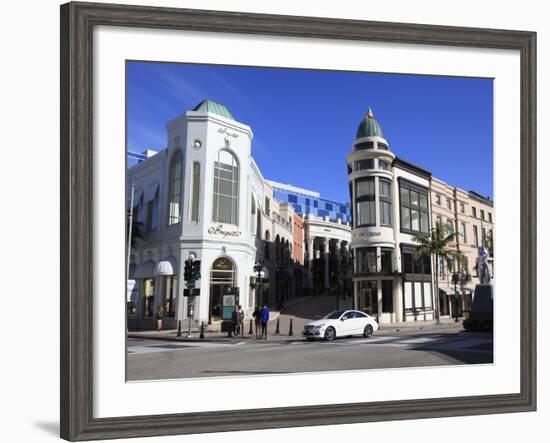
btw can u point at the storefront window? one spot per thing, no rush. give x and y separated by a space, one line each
148 297
386 260
366 260
170 296
411 266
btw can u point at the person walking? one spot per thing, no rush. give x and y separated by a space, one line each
264 314
257 320
241 321
160 316
235 321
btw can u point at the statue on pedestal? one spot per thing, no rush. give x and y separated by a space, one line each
483 266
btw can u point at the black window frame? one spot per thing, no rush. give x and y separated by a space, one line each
365 164
386 200
420 267
362 256
363 198
404 206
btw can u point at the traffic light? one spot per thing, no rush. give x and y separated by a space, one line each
188 270
196 270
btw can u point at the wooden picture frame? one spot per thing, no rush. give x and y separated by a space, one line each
77 217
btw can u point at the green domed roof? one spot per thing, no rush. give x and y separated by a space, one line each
369 127
214 107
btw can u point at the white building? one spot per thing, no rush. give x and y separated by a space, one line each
204 196
391 204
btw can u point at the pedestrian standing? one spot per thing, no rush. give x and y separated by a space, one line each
264 314
235 321
160 316
241 321
257 320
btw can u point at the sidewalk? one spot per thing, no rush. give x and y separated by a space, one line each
171 335
445 325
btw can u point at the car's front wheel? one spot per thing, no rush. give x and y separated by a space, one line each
330 334
367 332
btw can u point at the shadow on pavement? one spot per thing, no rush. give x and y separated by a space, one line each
479 350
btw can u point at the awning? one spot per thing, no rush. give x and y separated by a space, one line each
166 266
451 291
145 270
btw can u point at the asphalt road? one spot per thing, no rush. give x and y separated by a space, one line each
154 359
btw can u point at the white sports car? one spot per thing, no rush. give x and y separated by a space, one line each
339 324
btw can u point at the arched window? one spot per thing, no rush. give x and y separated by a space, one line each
174 196
226 189
195 191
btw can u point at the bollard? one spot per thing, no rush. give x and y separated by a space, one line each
179 328
250 330
277 331
290 332
202 331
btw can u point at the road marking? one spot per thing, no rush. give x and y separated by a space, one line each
156 347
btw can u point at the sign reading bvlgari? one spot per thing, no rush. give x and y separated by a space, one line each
218 230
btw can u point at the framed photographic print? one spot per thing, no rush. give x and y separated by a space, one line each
334 218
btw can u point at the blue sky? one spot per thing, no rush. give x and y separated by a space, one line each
305 121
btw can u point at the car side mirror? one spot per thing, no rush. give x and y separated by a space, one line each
342 319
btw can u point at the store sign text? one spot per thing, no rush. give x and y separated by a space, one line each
367 234
218 230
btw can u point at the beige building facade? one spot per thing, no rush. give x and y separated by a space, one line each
471 217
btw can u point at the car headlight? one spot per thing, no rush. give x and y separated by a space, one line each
318 326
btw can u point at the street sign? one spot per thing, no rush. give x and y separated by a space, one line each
196 275
192 292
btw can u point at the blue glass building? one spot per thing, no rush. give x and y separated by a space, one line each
308 202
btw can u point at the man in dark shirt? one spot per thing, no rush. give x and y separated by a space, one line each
264 316
235 321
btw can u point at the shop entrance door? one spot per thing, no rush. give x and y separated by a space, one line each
222 278
368 300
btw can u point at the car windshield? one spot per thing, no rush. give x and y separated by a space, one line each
334 315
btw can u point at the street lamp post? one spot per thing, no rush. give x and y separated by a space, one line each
258 268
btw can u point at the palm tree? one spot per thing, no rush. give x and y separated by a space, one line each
437 243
